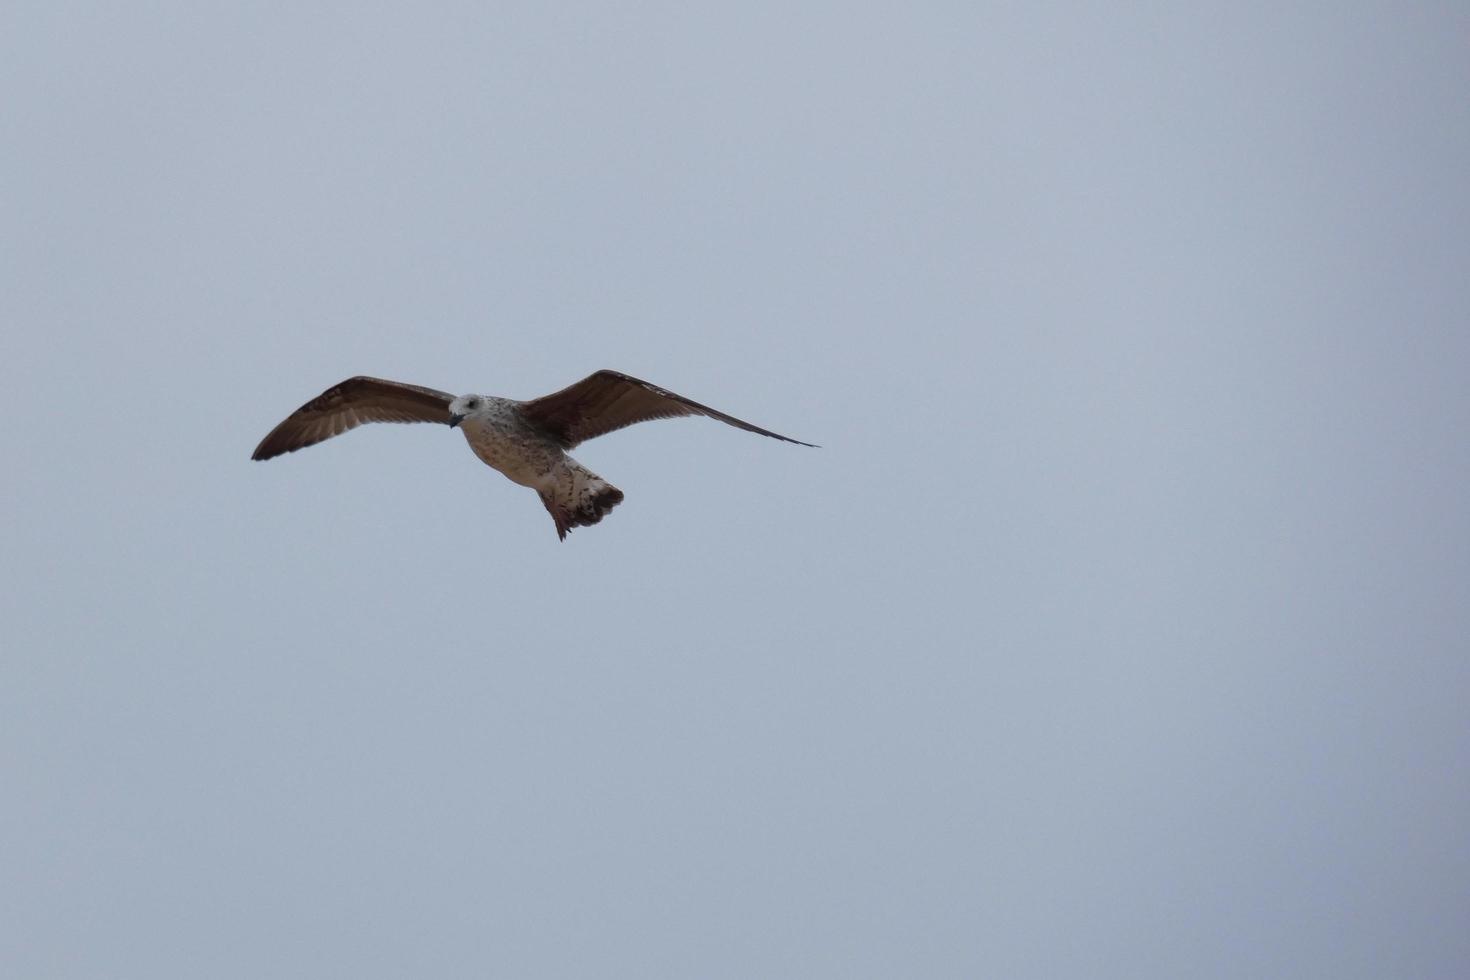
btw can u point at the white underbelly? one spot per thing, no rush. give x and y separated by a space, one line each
522 461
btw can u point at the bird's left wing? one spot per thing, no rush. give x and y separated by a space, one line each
350 404
607 401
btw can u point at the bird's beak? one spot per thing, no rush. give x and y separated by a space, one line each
454 421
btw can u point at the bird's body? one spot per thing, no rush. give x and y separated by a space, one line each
500 434
525 440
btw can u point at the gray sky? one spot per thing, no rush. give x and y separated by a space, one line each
1118 629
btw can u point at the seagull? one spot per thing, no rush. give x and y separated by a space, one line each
525 440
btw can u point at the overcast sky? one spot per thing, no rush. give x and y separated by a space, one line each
1119 628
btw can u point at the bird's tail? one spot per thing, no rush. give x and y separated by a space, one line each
577 497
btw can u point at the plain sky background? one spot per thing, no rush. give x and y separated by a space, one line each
1119 628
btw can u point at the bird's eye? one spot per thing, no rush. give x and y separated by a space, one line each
472 404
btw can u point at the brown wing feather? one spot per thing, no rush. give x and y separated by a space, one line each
350 404
607 401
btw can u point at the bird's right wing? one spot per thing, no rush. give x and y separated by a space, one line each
350 404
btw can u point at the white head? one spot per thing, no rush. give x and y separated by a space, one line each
465 406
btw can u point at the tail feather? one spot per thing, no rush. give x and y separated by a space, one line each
578 498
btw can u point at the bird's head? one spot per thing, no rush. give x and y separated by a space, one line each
463 407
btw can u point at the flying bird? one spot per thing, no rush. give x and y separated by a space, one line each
525 440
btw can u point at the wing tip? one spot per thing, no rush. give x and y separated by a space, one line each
270 448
